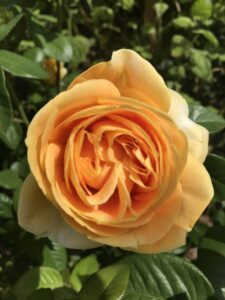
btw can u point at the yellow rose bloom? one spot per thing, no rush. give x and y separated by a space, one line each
115 160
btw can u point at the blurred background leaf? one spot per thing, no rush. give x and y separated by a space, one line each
20 66
83 270
216 168
211 258
6 28
42 277
109 283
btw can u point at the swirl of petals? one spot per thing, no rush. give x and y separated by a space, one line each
112 162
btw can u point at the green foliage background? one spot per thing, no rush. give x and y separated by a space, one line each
185 41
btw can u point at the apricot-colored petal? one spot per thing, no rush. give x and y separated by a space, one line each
174 238
137 95
126 240
35 212
106 190
92 178
123 183
63 105
127 69
197 135
162 220
38 216
197 192
77 214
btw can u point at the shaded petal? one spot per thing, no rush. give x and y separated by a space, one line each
197 135
197 193
160 224
126 70
106 191
38 216
174 238
127 240
162 220
63 234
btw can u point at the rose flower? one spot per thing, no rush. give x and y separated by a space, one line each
116 161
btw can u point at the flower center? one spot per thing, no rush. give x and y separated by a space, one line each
110 161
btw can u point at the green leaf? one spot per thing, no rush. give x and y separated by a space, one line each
219 215
9 179
5 104
217 56
165 276
109 283
201 65
6 28
21 66
15 198
48 18
56 294
24 168
12 136
5 207
213 247
4 94
60 48
102 13
127 4
64 293
214 240
197 233
35 54
82 270
202 9
81 46
9 3
178 39
5 117
216 167
55 256
213 266
43 294
65 273
208 35
178 51
160 9
207 118
183 22
37 278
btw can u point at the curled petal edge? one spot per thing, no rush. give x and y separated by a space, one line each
197 136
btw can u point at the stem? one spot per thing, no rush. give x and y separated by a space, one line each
59 12
18 104
69 22
178 7
58 78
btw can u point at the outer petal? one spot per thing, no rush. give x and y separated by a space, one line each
133 75
197 135
162 220
151 233
174 238
38 216
197 193
81 96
